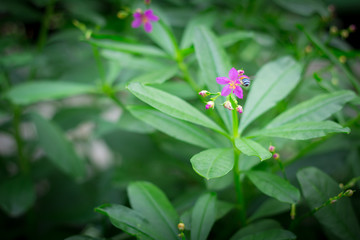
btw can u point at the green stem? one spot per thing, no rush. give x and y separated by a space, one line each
236 171
99 65
332 58
183 67
43 33
23 163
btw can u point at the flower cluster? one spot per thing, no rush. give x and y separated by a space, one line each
232 86
276 156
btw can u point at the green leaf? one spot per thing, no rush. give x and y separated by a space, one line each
178 129
152 203
316 109
213 163
33 92
338 218
269 208
159 76
273 82
203 216
82 237
303 130
304 7
274 186
214 63
272 234
129 221
59 150
171 105
252 148
133 48
206 19
259 226
235 36
17 195
164 37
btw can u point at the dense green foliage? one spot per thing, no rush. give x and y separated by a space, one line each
103 133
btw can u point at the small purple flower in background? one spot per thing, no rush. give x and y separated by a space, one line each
276 156
232 84
204 93
144 18
210 104
239 109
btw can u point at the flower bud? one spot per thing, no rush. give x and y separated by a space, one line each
331 8
122 14
333 30
210 104
227 105
342 59
344 33
308 49
181 226
147 2
239 109
332 201
276 156
241 72
204 93
271 148
349 193
352 28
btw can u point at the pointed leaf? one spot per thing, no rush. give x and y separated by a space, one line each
274 186
252 148
133 48
206 19
59 150
273 82
152 203
178 129
171 105
303 130
164 37
269 208
338 218
158 76
213 163
252 228
17 195
203 216
272 234
214 63
316 109
32 92
129 221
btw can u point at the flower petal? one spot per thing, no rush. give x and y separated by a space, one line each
137 14
222 80
149 15
226 90
233 74
148 27
238 92
136 23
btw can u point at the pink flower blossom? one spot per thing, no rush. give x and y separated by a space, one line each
210 104
232 84
144 18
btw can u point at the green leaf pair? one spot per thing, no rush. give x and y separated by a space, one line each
153 217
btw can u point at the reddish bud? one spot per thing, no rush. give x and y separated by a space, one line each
276 156
181 226
271 148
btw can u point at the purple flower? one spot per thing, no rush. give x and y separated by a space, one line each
232 84
144 18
